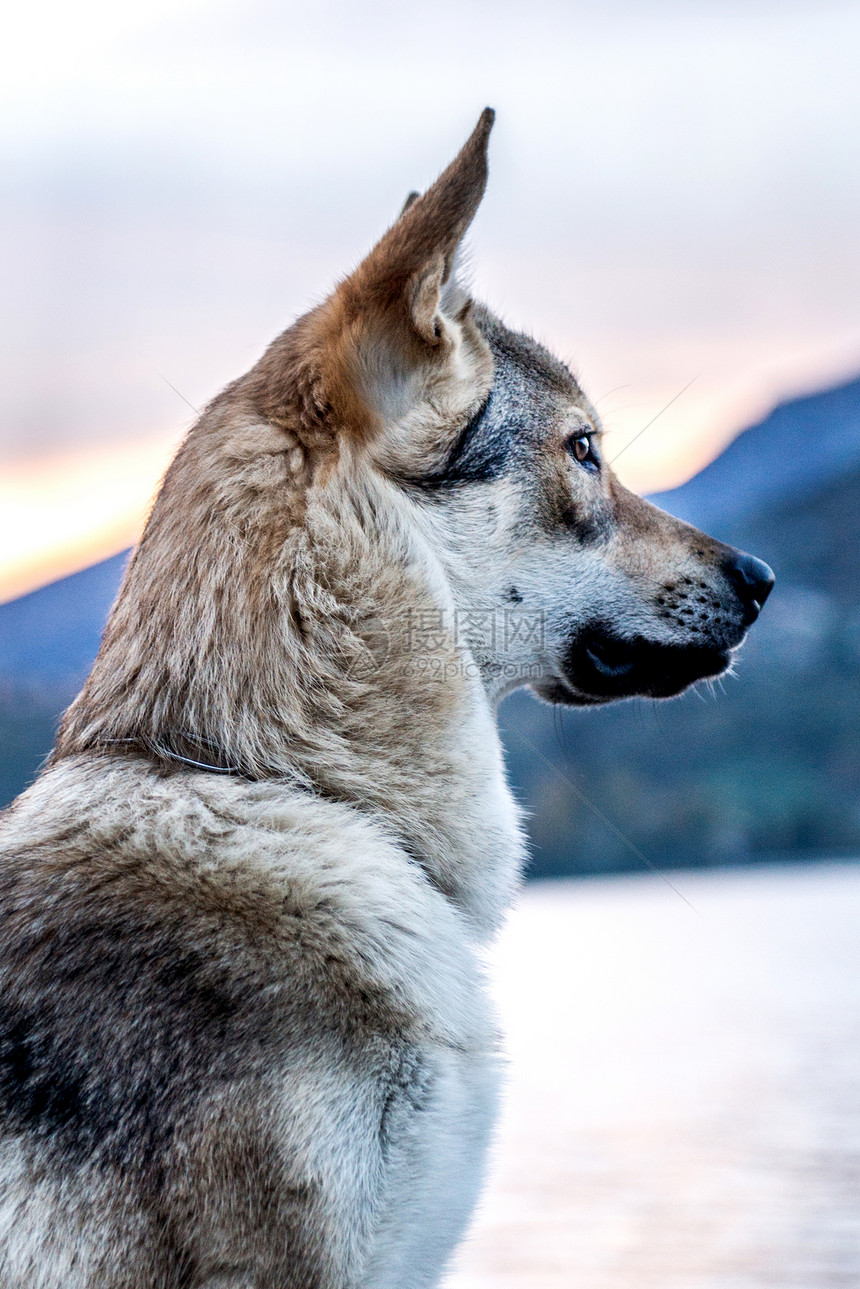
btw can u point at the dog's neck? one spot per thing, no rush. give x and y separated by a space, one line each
318 652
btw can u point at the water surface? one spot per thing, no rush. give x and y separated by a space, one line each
683 1102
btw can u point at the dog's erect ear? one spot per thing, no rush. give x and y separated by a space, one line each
400 311
406 271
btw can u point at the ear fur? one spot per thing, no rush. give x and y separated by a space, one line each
398 316
410 201
430 226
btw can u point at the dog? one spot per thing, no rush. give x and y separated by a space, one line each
244 1042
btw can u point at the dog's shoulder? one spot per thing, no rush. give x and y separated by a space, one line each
117 878
167 940
237 983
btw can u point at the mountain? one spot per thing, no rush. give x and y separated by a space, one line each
766 767
48 640
51 636
799 447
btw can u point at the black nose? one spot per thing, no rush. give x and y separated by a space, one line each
752 579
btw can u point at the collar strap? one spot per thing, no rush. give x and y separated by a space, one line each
166 748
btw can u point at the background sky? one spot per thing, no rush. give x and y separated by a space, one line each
674 198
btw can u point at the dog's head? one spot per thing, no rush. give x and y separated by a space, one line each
398 455
560 576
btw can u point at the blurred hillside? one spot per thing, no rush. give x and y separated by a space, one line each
800 446
48 641
767 765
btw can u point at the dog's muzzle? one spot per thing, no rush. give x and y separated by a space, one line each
601 666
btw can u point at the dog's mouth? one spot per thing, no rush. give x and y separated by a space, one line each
600 667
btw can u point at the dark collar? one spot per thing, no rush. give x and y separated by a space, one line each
181 748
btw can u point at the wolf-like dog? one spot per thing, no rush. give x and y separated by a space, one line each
244 1042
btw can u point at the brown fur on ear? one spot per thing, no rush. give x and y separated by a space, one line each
383 326
355 362
410 201
431 226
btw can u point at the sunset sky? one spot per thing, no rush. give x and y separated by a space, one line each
674 205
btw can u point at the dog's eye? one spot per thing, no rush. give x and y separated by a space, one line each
580 447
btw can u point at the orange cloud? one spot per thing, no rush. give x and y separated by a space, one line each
59 514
